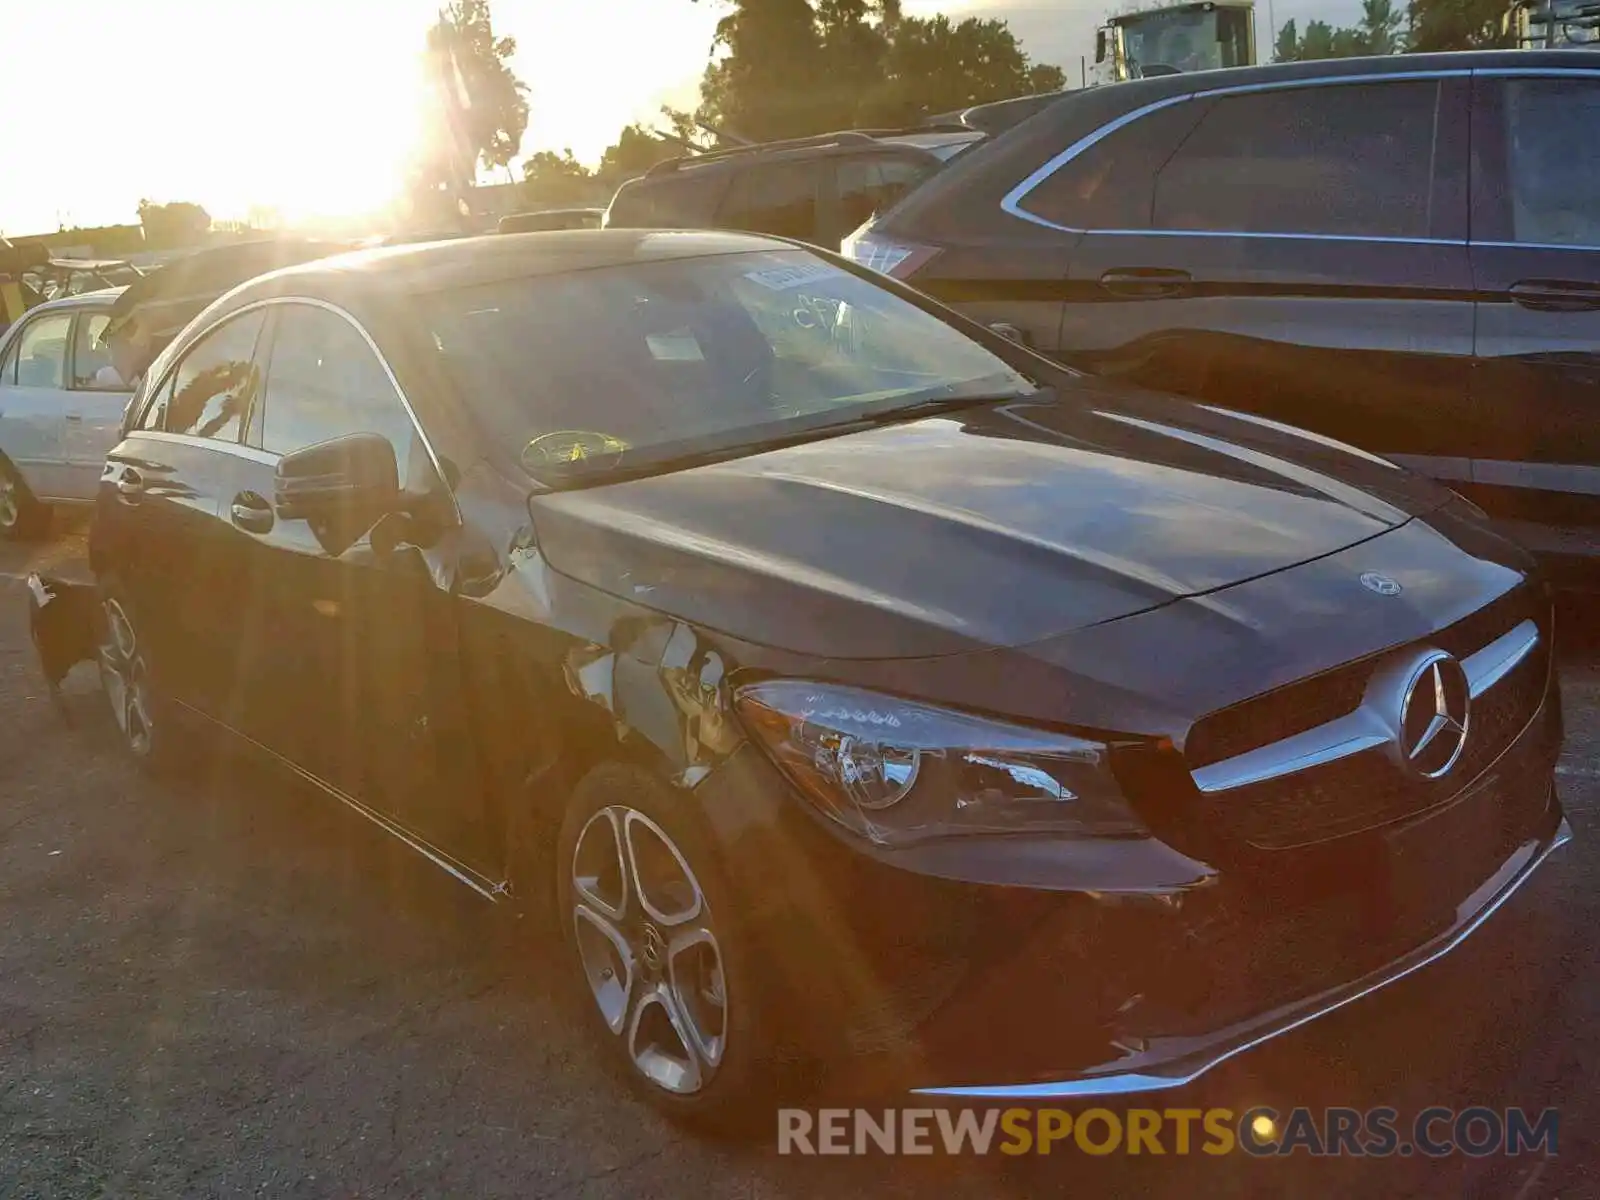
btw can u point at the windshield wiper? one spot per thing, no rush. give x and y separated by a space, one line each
620 466
936 404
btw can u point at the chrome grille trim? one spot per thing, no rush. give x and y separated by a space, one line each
1500 657
1361 729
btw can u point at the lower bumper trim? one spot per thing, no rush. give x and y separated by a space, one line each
1173 1062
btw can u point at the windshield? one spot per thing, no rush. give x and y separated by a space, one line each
635 369
1186 40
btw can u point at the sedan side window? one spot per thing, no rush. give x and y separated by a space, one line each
91 357
42 352
325 382
1553 161
215 384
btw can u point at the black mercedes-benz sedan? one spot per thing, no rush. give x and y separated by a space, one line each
860 688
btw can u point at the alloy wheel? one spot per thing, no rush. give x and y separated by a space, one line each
125 678
10 501
649 950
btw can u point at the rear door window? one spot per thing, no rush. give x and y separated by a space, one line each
1552 150
778 198
872 184
91 357
1353 160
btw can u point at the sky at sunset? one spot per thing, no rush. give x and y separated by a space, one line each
308 106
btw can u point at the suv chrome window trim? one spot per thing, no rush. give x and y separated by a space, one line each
265 456
1011 203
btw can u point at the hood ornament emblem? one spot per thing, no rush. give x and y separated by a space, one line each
1375 581
1435 709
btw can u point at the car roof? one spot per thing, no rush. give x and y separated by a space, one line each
103 298
934 138
430 266
970 188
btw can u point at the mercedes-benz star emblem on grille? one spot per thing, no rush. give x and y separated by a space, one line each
1373 581
1434 711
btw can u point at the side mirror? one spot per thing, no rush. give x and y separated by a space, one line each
347 483
1099 45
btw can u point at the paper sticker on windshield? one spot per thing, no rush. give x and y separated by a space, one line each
678 346
781 279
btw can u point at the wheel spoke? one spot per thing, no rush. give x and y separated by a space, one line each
661 1044
608 965
699 989
666 887
600 874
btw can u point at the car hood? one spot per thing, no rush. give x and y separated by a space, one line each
992 526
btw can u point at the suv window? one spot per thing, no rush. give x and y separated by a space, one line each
1111 185
776 197
1352 160
870 185
213 387
42 352
688 197
1553 160
324 382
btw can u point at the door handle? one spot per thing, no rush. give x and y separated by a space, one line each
252 513
75 418
1146 283
1556 295
130 484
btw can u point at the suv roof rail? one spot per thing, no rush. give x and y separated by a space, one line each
843 137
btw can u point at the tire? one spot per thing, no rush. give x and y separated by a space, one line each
22 518
142 719
683 1023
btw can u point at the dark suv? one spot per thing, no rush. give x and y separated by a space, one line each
813 189
1402 253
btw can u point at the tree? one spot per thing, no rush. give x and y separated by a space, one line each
1287 48
634 152
1458 25
1380 27
167 226
556 179
783 68
1321 40
477 108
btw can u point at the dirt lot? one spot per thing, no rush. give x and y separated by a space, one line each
232 987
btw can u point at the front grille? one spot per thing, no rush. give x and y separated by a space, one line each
1367 789
1307 703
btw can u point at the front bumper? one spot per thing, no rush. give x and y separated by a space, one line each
1172 1062
1065 968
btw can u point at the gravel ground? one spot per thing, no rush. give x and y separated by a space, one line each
230 986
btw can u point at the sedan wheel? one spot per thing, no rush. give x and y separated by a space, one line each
648 947
21 516
125 676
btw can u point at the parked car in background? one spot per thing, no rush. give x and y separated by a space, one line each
551 219
62 277
1401 253
862 687
813 189
61 407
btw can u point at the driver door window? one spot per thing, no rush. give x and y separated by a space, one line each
325 381
42 353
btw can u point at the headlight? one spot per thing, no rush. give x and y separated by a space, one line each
896 772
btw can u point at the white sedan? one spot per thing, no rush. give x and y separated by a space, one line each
61 407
